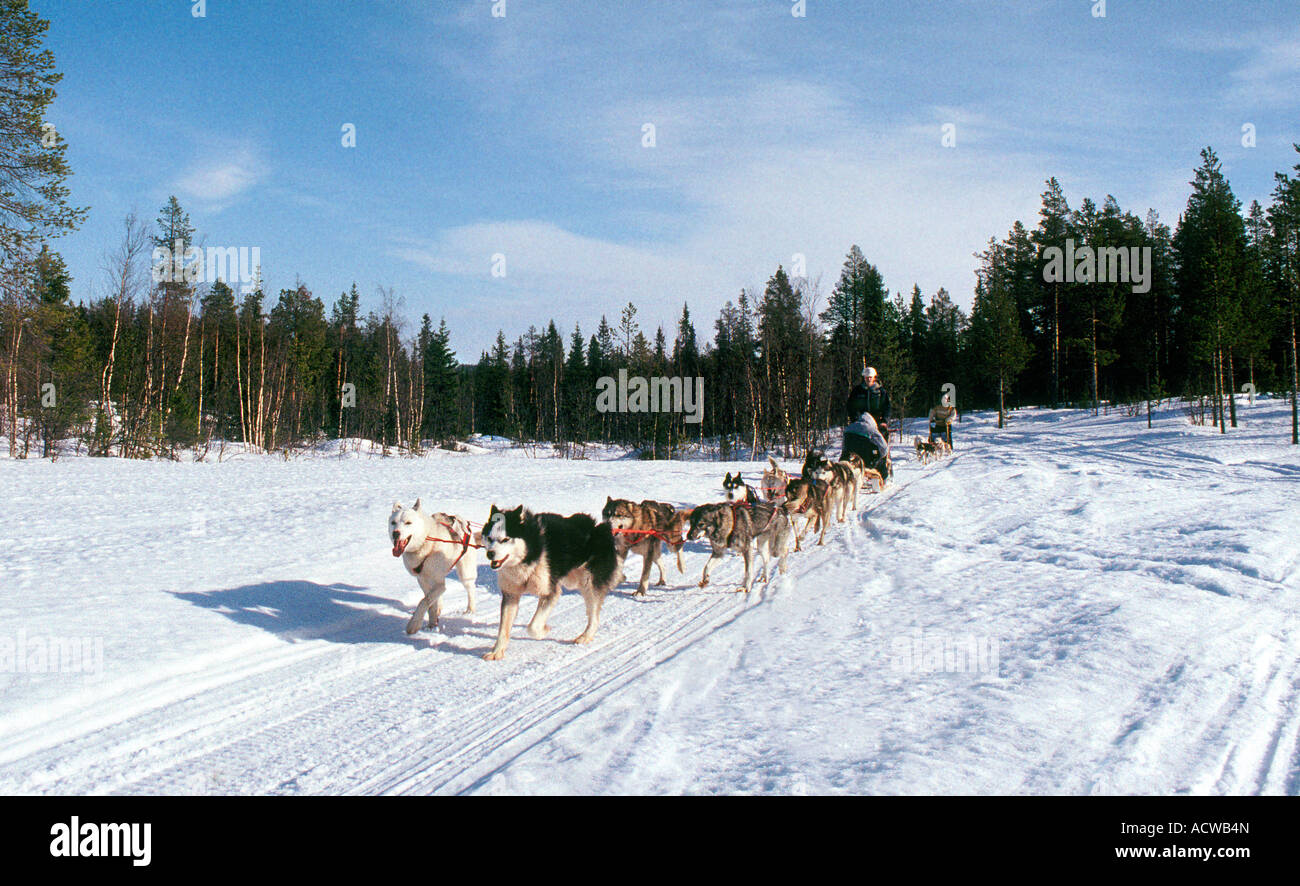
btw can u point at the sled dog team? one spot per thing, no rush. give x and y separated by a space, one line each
931 450
543 554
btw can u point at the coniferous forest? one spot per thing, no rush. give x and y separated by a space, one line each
162 367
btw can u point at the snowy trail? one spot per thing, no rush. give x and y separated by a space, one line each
1139 591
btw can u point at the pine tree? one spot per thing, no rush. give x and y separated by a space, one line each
578 391
33 161
945 323
628 329
1284 236
854 314
62 338
997 346
1053 231
686 351
1210 248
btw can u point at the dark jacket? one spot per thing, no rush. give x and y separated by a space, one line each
864 399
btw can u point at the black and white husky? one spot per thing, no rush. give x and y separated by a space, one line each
542 554
736 489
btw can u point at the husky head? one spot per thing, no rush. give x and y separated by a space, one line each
825 471
405 524
818 467
709 521
503 536
735 487
619 513
811 463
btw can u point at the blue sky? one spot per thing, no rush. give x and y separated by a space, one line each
522 135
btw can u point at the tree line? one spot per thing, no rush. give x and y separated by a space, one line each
1215 310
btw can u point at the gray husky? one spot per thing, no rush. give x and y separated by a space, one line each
542 554
642 529
743 527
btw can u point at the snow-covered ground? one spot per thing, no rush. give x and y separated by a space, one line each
1073 604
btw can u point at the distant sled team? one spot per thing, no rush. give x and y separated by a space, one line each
541 554
930 450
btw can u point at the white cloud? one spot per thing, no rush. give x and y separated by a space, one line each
802 180
222 175
1271 74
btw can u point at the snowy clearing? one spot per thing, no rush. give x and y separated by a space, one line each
1132 597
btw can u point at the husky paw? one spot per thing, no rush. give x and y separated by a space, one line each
639 592
581 640
539 633
413 626
495 655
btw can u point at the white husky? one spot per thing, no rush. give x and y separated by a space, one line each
430 545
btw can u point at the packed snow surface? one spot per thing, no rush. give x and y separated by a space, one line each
1073 604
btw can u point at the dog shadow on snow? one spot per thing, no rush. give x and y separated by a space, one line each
295 611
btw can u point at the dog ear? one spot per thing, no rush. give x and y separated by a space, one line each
416 506
608 499
397 506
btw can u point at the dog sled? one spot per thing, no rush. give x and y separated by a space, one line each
865 448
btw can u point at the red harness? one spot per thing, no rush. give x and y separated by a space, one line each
655 532
465 544
745 504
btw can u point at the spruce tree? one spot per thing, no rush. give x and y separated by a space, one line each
441 383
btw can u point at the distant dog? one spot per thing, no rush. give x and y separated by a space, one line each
641 529
926 451
775 481
763 528
430 545
737 489
542 554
